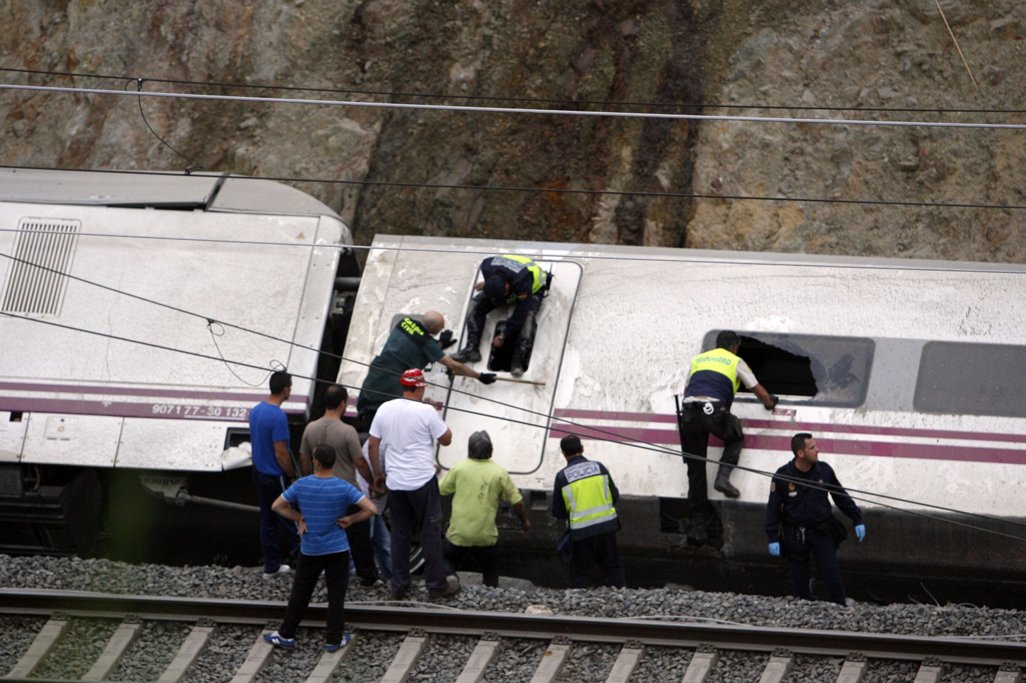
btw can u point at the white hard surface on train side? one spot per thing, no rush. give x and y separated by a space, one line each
258 285
641 314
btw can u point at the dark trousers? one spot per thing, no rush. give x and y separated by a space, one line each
801 543
336 578
596 551
695 428
524 341
483 558
417 512
268 489
362 549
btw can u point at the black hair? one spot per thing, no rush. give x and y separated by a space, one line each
798 441
325 455
727 339
571 445
280 381
335 396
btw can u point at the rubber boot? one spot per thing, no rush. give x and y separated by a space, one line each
723 484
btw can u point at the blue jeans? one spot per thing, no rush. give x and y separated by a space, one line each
381 539
268 489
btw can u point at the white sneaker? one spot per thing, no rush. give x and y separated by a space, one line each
283 569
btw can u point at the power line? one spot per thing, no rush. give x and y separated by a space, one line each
516 110
499 98
568 191
551 420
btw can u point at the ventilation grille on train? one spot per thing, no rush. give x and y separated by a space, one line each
43 252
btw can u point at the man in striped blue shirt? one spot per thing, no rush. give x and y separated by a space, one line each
317 504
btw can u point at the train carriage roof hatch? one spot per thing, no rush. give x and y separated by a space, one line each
467 413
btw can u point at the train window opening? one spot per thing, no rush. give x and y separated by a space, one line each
16 416
236 436
965 378
816 369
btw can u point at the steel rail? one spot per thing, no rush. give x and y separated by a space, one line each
956 650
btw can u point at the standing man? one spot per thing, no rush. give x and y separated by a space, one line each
272 470
331 431
507 279
410 344
407 428
323 499
799 522
477 485
709 391
584 494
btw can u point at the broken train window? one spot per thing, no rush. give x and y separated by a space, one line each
817 369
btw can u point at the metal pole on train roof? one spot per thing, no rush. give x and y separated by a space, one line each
519 381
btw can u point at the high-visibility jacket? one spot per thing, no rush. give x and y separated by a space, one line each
526 280
714 374
587 498
514 266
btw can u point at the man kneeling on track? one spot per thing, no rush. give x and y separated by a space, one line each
323 499
799 523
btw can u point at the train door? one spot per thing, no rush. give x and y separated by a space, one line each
515 410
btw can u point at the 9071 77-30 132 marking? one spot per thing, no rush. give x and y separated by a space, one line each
200 411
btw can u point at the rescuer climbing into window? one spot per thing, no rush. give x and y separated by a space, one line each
507 280
713 379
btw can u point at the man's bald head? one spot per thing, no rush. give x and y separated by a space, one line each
434 322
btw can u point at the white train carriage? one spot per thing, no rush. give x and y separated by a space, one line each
909 373
121 293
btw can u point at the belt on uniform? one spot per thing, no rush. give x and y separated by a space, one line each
699 405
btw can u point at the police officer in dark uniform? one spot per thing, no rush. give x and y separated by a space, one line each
799 522
507 279
713 379
585 496
410 344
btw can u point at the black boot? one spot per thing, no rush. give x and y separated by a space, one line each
468 354
723 484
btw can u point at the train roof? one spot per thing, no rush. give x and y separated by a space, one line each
129 189
615 252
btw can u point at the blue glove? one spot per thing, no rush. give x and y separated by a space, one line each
860 532
774 549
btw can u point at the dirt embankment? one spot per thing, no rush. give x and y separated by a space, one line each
557 177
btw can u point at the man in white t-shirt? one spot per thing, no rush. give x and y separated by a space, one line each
408 428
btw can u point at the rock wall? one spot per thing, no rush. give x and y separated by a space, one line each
546 176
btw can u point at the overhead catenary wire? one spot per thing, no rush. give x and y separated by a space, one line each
499 98
555 191
727 118
553 422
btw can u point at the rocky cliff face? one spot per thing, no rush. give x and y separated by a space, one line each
699 183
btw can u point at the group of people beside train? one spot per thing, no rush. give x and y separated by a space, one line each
326 516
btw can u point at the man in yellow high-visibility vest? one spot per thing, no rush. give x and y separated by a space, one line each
712 381
506 279
584 494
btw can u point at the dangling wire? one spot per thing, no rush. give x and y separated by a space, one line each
216 330
189 165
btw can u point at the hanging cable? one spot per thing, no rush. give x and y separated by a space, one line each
559 191
550 420
204 97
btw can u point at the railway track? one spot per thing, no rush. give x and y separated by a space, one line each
417 643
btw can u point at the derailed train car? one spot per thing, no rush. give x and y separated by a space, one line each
907 372
140 314
138 317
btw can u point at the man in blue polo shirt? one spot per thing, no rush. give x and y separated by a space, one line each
322 499
272 470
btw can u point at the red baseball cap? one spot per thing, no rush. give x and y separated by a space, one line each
413 377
